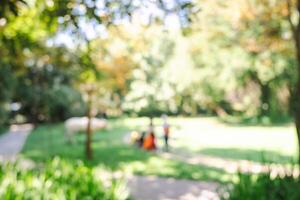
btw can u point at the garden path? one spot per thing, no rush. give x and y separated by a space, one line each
11 143
158 188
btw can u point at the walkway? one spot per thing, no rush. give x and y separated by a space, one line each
11 143
156 188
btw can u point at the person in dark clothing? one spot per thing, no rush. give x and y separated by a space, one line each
141 139
166 131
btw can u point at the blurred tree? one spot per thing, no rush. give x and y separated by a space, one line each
146 95
218 60
14 39
7 86
244 48
45 90
39 73
293 16
114 57
88 79
263 33
9 8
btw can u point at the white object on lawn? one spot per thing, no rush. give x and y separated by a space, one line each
75 124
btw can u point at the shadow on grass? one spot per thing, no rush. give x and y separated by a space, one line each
48 141
249 154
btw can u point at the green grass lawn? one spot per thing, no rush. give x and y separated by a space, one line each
189 135
271 144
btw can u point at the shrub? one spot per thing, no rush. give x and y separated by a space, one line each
7 85
48 95
59 179
264 187
65 102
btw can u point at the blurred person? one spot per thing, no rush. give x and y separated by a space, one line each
149 142
134 137
141 139
151 126
166 131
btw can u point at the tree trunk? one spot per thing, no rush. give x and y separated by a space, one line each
297 90
220 111
265 99
296 35
88 147
181 103
297 121
297 96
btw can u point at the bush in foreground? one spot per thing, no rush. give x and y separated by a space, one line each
59 179
264 187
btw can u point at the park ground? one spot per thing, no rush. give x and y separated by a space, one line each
205 138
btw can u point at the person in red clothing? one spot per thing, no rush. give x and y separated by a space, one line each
149 142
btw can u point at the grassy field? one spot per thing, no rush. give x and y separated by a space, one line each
272 144
189 135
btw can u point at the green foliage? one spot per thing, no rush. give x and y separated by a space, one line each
264 187
7 86
227 64
147 95
245 59
46 94
59 179
9 8
31 72
3 130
